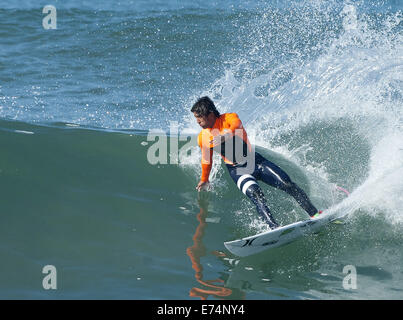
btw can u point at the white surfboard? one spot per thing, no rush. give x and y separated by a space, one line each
277 237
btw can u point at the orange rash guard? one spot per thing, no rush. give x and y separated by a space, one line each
225 123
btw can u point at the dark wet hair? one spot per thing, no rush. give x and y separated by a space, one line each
204 106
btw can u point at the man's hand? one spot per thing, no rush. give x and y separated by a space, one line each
202 185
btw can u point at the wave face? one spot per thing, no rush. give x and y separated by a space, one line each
318 86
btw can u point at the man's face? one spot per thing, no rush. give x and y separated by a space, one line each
205 122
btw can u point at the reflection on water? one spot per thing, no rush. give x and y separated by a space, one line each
216 288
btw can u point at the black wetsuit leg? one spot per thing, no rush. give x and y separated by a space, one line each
274 176
248 185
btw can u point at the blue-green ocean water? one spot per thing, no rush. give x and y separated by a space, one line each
318 86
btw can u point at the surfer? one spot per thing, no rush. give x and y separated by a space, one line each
225 134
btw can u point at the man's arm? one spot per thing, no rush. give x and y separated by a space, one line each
206 163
